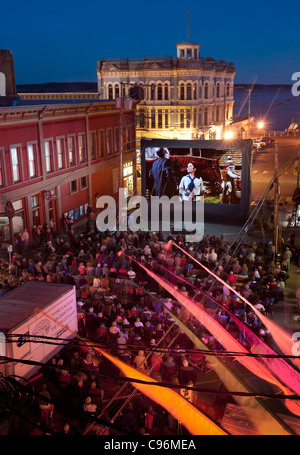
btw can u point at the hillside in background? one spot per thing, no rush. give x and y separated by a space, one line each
61 87
57 87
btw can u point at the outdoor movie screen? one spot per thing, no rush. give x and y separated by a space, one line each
207 174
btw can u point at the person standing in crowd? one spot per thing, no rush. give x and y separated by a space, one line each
163 175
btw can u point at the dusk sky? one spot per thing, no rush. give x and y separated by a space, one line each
61 41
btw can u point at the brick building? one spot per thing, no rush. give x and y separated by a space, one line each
54 158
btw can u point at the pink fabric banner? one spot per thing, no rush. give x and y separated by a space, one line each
282 338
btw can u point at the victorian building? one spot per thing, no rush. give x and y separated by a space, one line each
187 97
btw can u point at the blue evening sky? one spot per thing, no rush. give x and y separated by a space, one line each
61 41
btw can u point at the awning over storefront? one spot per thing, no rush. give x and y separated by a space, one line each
296 196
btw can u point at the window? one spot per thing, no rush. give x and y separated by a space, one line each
152 89
189 53
117 91
195 91
73 186
218 91
166 91
142 118
166 119
101 143
195 118
32 157
153 119
2 169
110 92
93 145
109 141
83 182
199 117
159 118
228 89
188 118
60 153
181 53
181 91
181 119
218 114
189 91
195 54
117 139
15 161
159 92
206 91
71 151
200 92
205 117
48 156
81 148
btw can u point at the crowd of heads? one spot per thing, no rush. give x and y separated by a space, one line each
122 309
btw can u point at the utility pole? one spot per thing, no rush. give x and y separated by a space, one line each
225 108
276 198
298 169
249 111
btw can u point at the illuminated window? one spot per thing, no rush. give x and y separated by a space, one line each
71 151
110 92
60 153
32 160
48 156
81 148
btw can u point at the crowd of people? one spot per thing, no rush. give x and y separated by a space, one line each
124 310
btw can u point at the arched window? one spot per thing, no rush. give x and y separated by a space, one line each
218 91
110 92
166 91
159 92
195 91
117 91
182 91
206 91
189 91
152 90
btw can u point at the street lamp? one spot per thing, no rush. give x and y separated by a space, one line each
228 135
260 125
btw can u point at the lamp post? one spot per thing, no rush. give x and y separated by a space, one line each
260 126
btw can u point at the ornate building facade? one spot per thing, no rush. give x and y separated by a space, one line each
187 97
